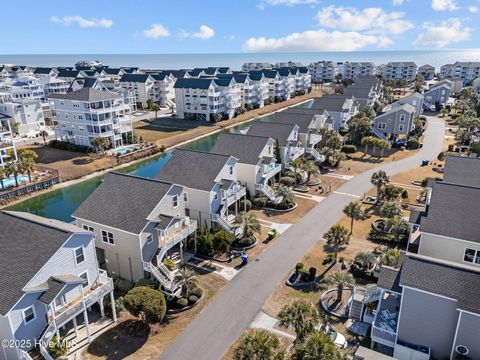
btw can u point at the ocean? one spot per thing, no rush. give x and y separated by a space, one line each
436 58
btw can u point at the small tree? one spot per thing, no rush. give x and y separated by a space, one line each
28 166
43 134
146 303
155 107
13 168
221 242
341 279
397 227
311 168
391 192
337 238
301 316
354 212
187 278
3 175
391 258
319 346
249 224
367 141
57 347
100 143
259 345
384 145
26 154
278 157
390 210
297 165
379 179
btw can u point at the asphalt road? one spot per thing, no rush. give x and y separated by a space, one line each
210 335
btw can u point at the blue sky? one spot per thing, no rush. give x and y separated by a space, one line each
229 26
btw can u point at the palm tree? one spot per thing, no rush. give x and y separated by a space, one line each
319 346
384 145
285 193
248 223
365 259
311 168
28 166
100 143
397 227
379 179
444 112
296 164
391 258
26 154
337 238
341 279
390 210
187 278
43 134
301 316
259 345
13 168
367 141
155 107
354 212
3 175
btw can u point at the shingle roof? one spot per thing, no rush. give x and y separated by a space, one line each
275 131
42 70
26 247
123 201
68 73
192 83
193 169
54 288
302 120
462 171
447 279
85 94
453 212
330 102
389 279
246 148
140 78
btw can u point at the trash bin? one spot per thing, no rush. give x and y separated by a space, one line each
424 162
244 259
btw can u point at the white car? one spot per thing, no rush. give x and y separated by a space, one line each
337 338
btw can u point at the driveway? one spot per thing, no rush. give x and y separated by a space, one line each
210 335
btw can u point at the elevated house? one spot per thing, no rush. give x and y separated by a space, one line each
427 71
437 94
287 135
142 87
256 166
210 181
399 71
340 107
353 70
398 121
323 70
7 145
416 100
55 287
164 92
138 223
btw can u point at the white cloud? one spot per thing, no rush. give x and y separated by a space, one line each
374 20
156 31
205 33
441 5
473 9
82 22
316 40
442 34
398 2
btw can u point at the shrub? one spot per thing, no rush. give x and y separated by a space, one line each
424 182
169 264
245 204
122 286
299 267
287 181
379 236
441 156
146 303
413 143
192 299
304 275
349 149
119 306
64 145
182 302
245 241
151 283
312 273
259 201
198 292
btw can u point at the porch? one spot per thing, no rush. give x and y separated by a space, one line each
384 327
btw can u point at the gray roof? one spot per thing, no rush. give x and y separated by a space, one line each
443 278
389 279
123 201
54 288
26 248
139 78
246 148
193 169
453 212
280 132
302 120
193 83
462 170
86 94
330 102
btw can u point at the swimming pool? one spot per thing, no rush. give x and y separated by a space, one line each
123 150
10 181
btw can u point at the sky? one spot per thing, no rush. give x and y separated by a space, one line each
233 26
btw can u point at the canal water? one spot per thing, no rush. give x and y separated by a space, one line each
61 204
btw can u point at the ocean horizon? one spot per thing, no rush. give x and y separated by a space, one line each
435 58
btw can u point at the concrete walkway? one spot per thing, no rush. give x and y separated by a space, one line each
266 322
210 335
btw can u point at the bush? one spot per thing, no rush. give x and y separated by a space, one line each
64 145
107 305
151 283
413 143
122 286
299 266
245 204
163 148
182 302
146 303
379 236
245 241
198 292
441 156
312 273
169 264
349 149
304 275
287 180
259 201
192 299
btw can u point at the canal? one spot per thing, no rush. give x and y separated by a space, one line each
60 204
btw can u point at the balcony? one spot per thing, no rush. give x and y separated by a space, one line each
384 328
404 350
296 152
234 193
270 170
178 230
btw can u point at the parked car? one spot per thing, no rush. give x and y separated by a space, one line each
337 338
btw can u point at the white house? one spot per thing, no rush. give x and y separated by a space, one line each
323 70
143 87
465 71
27 114
341 108
427 71
7 144
352 70
399 71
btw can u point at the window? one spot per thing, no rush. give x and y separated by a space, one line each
382 126
472 256
402 117
84 276
107 237
401 127
175 201
149 238
28 315
79 255
185 197
231 170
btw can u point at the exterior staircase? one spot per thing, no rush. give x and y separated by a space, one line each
318 157
356 310
223 222
378 133
268 191
361 297
427 105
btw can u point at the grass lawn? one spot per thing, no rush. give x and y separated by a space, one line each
130 339
291 217
164 127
